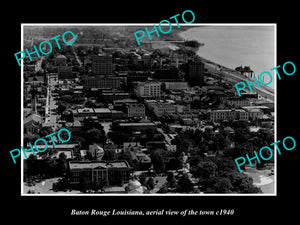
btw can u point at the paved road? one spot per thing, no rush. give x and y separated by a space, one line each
234 78
51 119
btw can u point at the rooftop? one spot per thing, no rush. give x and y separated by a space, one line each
98 164
136 124
102 110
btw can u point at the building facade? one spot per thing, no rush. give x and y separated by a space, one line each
228 114
195 73
60 60
102 65
105 82
113 172
148 89
135 110
238 102
160 108
65 72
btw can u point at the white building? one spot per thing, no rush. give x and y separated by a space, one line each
148 89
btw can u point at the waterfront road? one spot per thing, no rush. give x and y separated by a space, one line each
233 77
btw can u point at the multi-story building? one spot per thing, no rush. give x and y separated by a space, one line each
147 60
171 73
60 60
112 96
137 127
160 108
135 110
195 73
99 113
65 72
253 112
228 114
102 65
113 172
237 102
105 82
176 85
32 123
148 89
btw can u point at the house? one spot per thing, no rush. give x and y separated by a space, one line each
32 123
143 159
96 151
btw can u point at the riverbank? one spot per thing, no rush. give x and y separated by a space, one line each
226 72
228 47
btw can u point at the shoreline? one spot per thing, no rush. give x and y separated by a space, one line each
224 68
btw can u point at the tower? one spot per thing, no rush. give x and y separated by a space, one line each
195 73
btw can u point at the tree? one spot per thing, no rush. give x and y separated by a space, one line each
118 137
171 180
80 140
223 185
60 108
95 136
142 180
157 160
242 183
109 155
45 131
185 184
89 104
30 138
67 115
32 165
150 183
62 164
50 167
204 169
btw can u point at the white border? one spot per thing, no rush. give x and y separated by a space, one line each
151 24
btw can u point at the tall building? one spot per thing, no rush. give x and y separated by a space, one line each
171 73
147 60
148 89
106 82
102 65
65 72
195 73
60 60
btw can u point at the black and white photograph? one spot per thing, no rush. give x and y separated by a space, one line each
162 117
133 113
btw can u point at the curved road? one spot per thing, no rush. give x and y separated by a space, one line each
234 78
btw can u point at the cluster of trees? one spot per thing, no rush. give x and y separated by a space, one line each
85 186
48 167
219 175
216 174
181 183
119 136
211 175
192 43
147 182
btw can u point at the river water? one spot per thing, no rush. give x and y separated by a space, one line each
233 46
